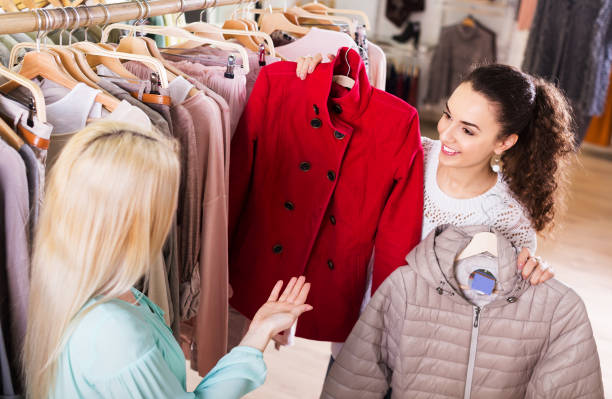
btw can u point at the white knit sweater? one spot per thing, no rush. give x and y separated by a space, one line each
497 207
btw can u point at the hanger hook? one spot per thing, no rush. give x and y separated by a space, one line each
348 73
87 20
77 23
38 27
204 9
64 25
141 11
47 24
107 15
181 11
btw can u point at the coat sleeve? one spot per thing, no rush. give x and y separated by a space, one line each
243 148
400 225
364 367
570 367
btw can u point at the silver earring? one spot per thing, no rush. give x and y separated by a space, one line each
496 163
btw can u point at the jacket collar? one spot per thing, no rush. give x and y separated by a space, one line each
434 259
327 96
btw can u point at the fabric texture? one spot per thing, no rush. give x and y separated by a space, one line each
123 350
14 250
378 66
314 189
459 48
34 187
417 332
571 44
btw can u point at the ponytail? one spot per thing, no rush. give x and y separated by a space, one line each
536 168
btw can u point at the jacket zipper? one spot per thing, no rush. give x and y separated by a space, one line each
473 344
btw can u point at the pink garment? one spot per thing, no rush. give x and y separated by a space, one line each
316 41
232 90
378 66
526 14
210 56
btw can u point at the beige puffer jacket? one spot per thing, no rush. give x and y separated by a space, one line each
421 337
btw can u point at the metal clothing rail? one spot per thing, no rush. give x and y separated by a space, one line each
16 22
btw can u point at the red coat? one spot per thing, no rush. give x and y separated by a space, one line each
316 180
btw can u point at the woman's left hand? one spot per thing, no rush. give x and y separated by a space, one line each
533 268
278 313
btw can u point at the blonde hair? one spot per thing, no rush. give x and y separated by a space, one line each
109 204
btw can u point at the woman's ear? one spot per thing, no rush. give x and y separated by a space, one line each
505 144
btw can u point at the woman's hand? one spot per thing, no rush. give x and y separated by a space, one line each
533 269
278 314
307 65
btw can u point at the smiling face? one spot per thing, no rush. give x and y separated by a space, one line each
469 130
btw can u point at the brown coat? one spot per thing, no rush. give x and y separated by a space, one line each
416 334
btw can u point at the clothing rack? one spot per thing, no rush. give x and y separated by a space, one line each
55 18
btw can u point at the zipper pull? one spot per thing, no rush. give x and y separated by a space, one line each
476 316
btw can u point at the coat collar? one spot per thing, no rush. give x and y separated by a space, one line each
328 96
436 256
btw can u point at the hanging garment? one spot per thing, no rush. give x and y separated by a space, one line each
124 350
14 250
34 188
37 135
398 11
570 43
459 48
378 66
7 390
600 128
419 334
316 41
314 189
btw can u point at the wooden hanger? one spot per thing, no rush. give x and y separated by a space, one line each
37 94
246 41
103 55
345 80
9 136
213 32
317 8
181 33
271 21
301 13
480 243
45 65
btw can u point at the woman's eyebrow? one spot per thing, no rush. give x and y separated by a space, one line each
464 122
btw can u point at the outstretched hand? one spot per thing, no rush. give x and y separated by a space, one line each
278 313
307 65
533 268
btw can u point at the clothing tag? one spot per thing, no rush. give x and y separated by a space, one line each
482 281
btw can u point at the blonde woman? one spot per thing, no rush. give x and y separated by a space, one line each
109 205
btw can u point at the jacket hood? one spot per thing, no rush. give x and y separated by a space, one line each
433 260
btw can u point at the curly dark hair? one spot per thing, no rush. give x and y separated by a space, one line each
536 167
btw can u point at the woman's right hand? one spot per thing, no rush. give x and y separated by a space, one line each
278 313
307 65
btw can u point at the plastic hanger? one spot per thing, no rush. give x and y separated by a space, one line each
480 243
345 80
469 21
318 7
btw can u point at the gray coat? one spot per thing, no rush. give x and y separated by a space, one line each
422 338
571 43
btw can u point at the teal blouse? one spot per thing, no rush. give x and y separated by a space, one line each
123 350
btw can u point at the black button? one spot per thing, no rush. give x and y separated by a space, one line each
316 109
331 175
289 205
277 249
305 166
337 108
330 264
332 219
316 123
439 290
338 135
512 299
